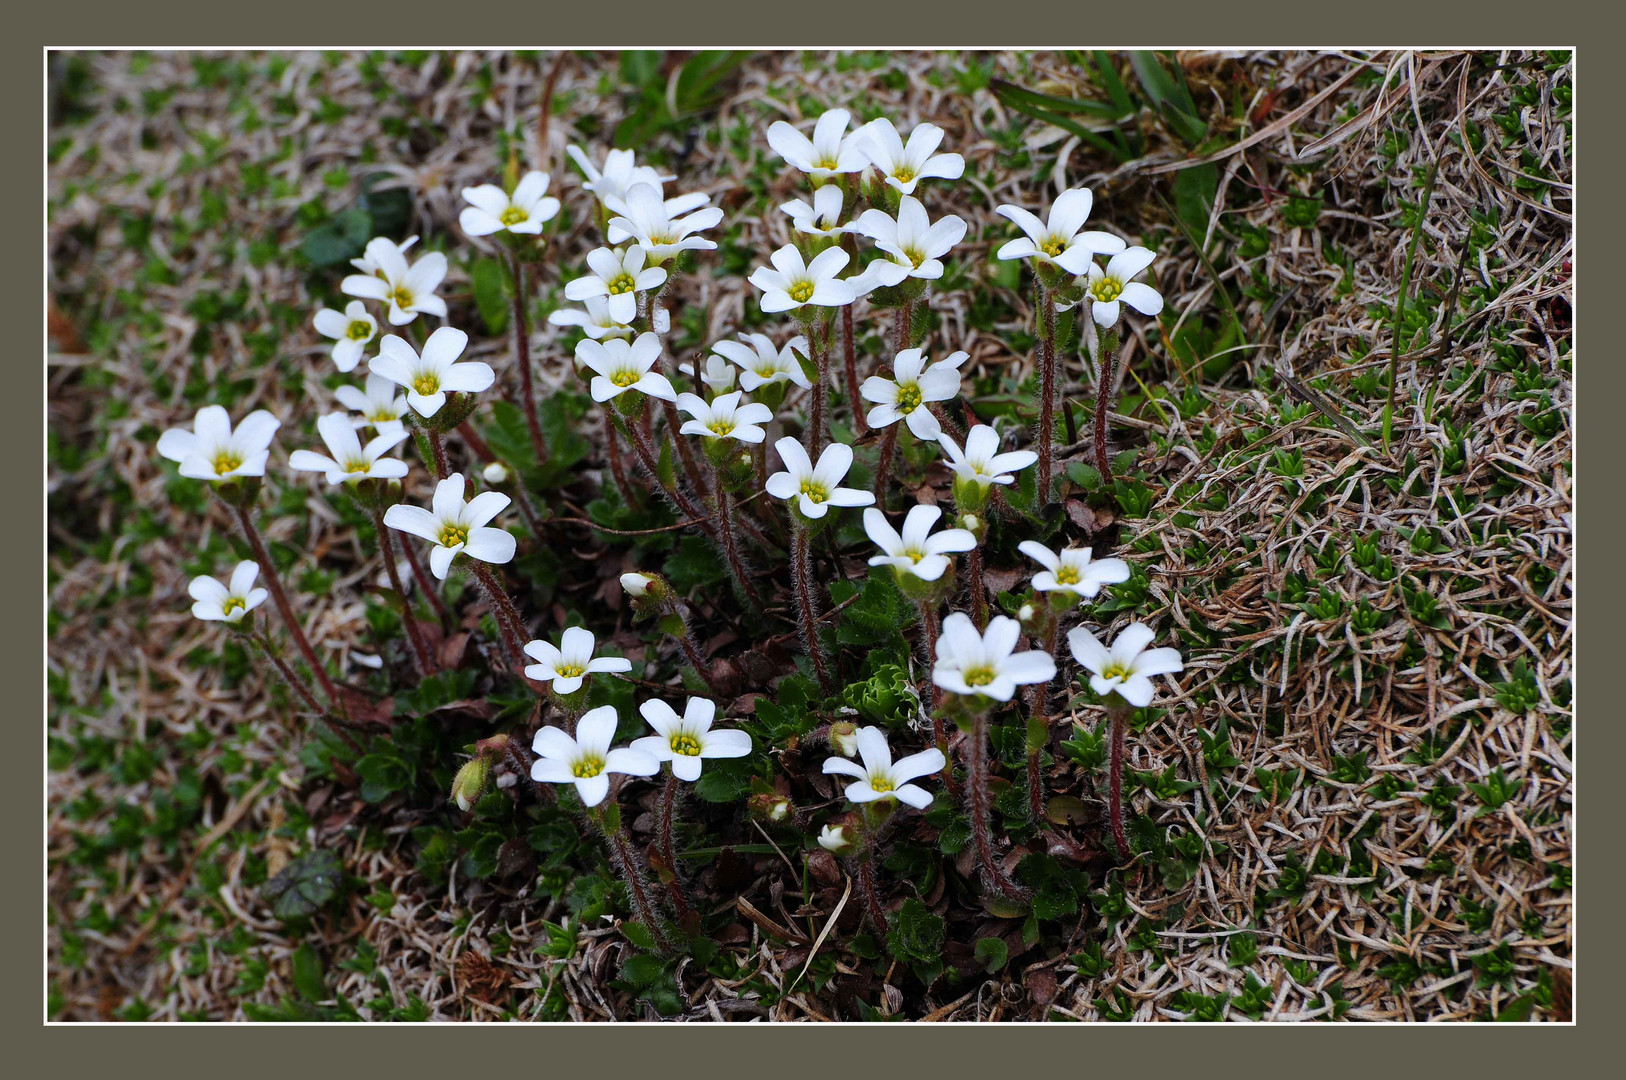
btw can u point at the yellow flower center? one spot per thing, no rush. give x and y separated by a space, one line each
904 174
233 603
721 428
453 535
916 256
358 331
914 555
1106 289
426 384
570 671
687 745
828 163
513 216
622 283
355 465
625 378
1067 575
814 491
1114 670
403 296
379 416
908 398
226 461
1053 246
881 783
587 767
979 676
801 292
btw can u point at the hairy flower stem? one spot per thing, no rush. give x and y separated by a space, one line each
1103 397
928 626
697 479
663 840
509 623
1037 712
646 455
691 652
621 844
420 651
1118 713
866 883
1047 387
819 344
618 465
981 804
979 591
437 445
483 452
802 565
902 329
522 359
883 467
300 688
274 583
850 357
731 547
426 584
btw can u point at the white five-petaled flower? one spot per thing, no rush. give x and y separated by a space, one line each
649 220
568 666
351 460
636 584
830 152
915 245
761 364
599 323
915 551
724 417
879 777
619 367
912 387
1107 289
1072 570
455 526
1127 666
718 374
822 217
213 451
525 211
587 760
367 264
1060 239
833 838
903 166
430 377
686 740
793 283
409 290
215 602
973 663
381 405
815 488
980 462
620 173
618 275
350 331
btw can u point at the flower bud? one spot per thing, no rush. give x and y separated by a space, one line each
844 738
769 806
834 839
470 782
637 584
495 473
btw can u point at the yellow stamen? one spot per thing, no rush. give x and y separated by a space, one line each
801 292
226 461
881 783
233 603
403 296
570 671
587 767
358 331
426 384
1053 247
980 676
1106 289
1067 575
453 535
908 398
625 378
620 284
513 216
814 492
687 745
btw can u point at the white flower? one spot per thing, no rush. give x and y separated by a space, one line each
1059 240
902 166
227 603
1105 290
823 217
494 209
618 275
686 740
1126 666
724 417
636 584
568 666
916 246
587 760
350 331
674 208
718 374
815 488
645 218
380 405
833 838
973 663
1072 570
915 551
761 364
980 462
428 378
830 152
793 283
844 735
213 451
351 460
619 367
620 173
495 473
905 395
455 526
410 291
599 323
879 777
367 264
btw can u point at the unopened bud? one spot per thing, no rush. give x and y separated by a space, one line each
470 782
636 584
844 738
769 806
834 839
495 473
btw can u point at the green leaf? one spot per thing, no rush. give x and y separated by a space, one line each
991 953
491 295
338 240
307 967
305 884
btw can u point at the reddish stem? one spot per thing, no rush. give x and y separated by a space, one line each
802 565
1103 397
420 652
1047 389
1115 783
664 842
274 583
522 357
977 762
979 591
866 883
426 584
884 466
850 356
